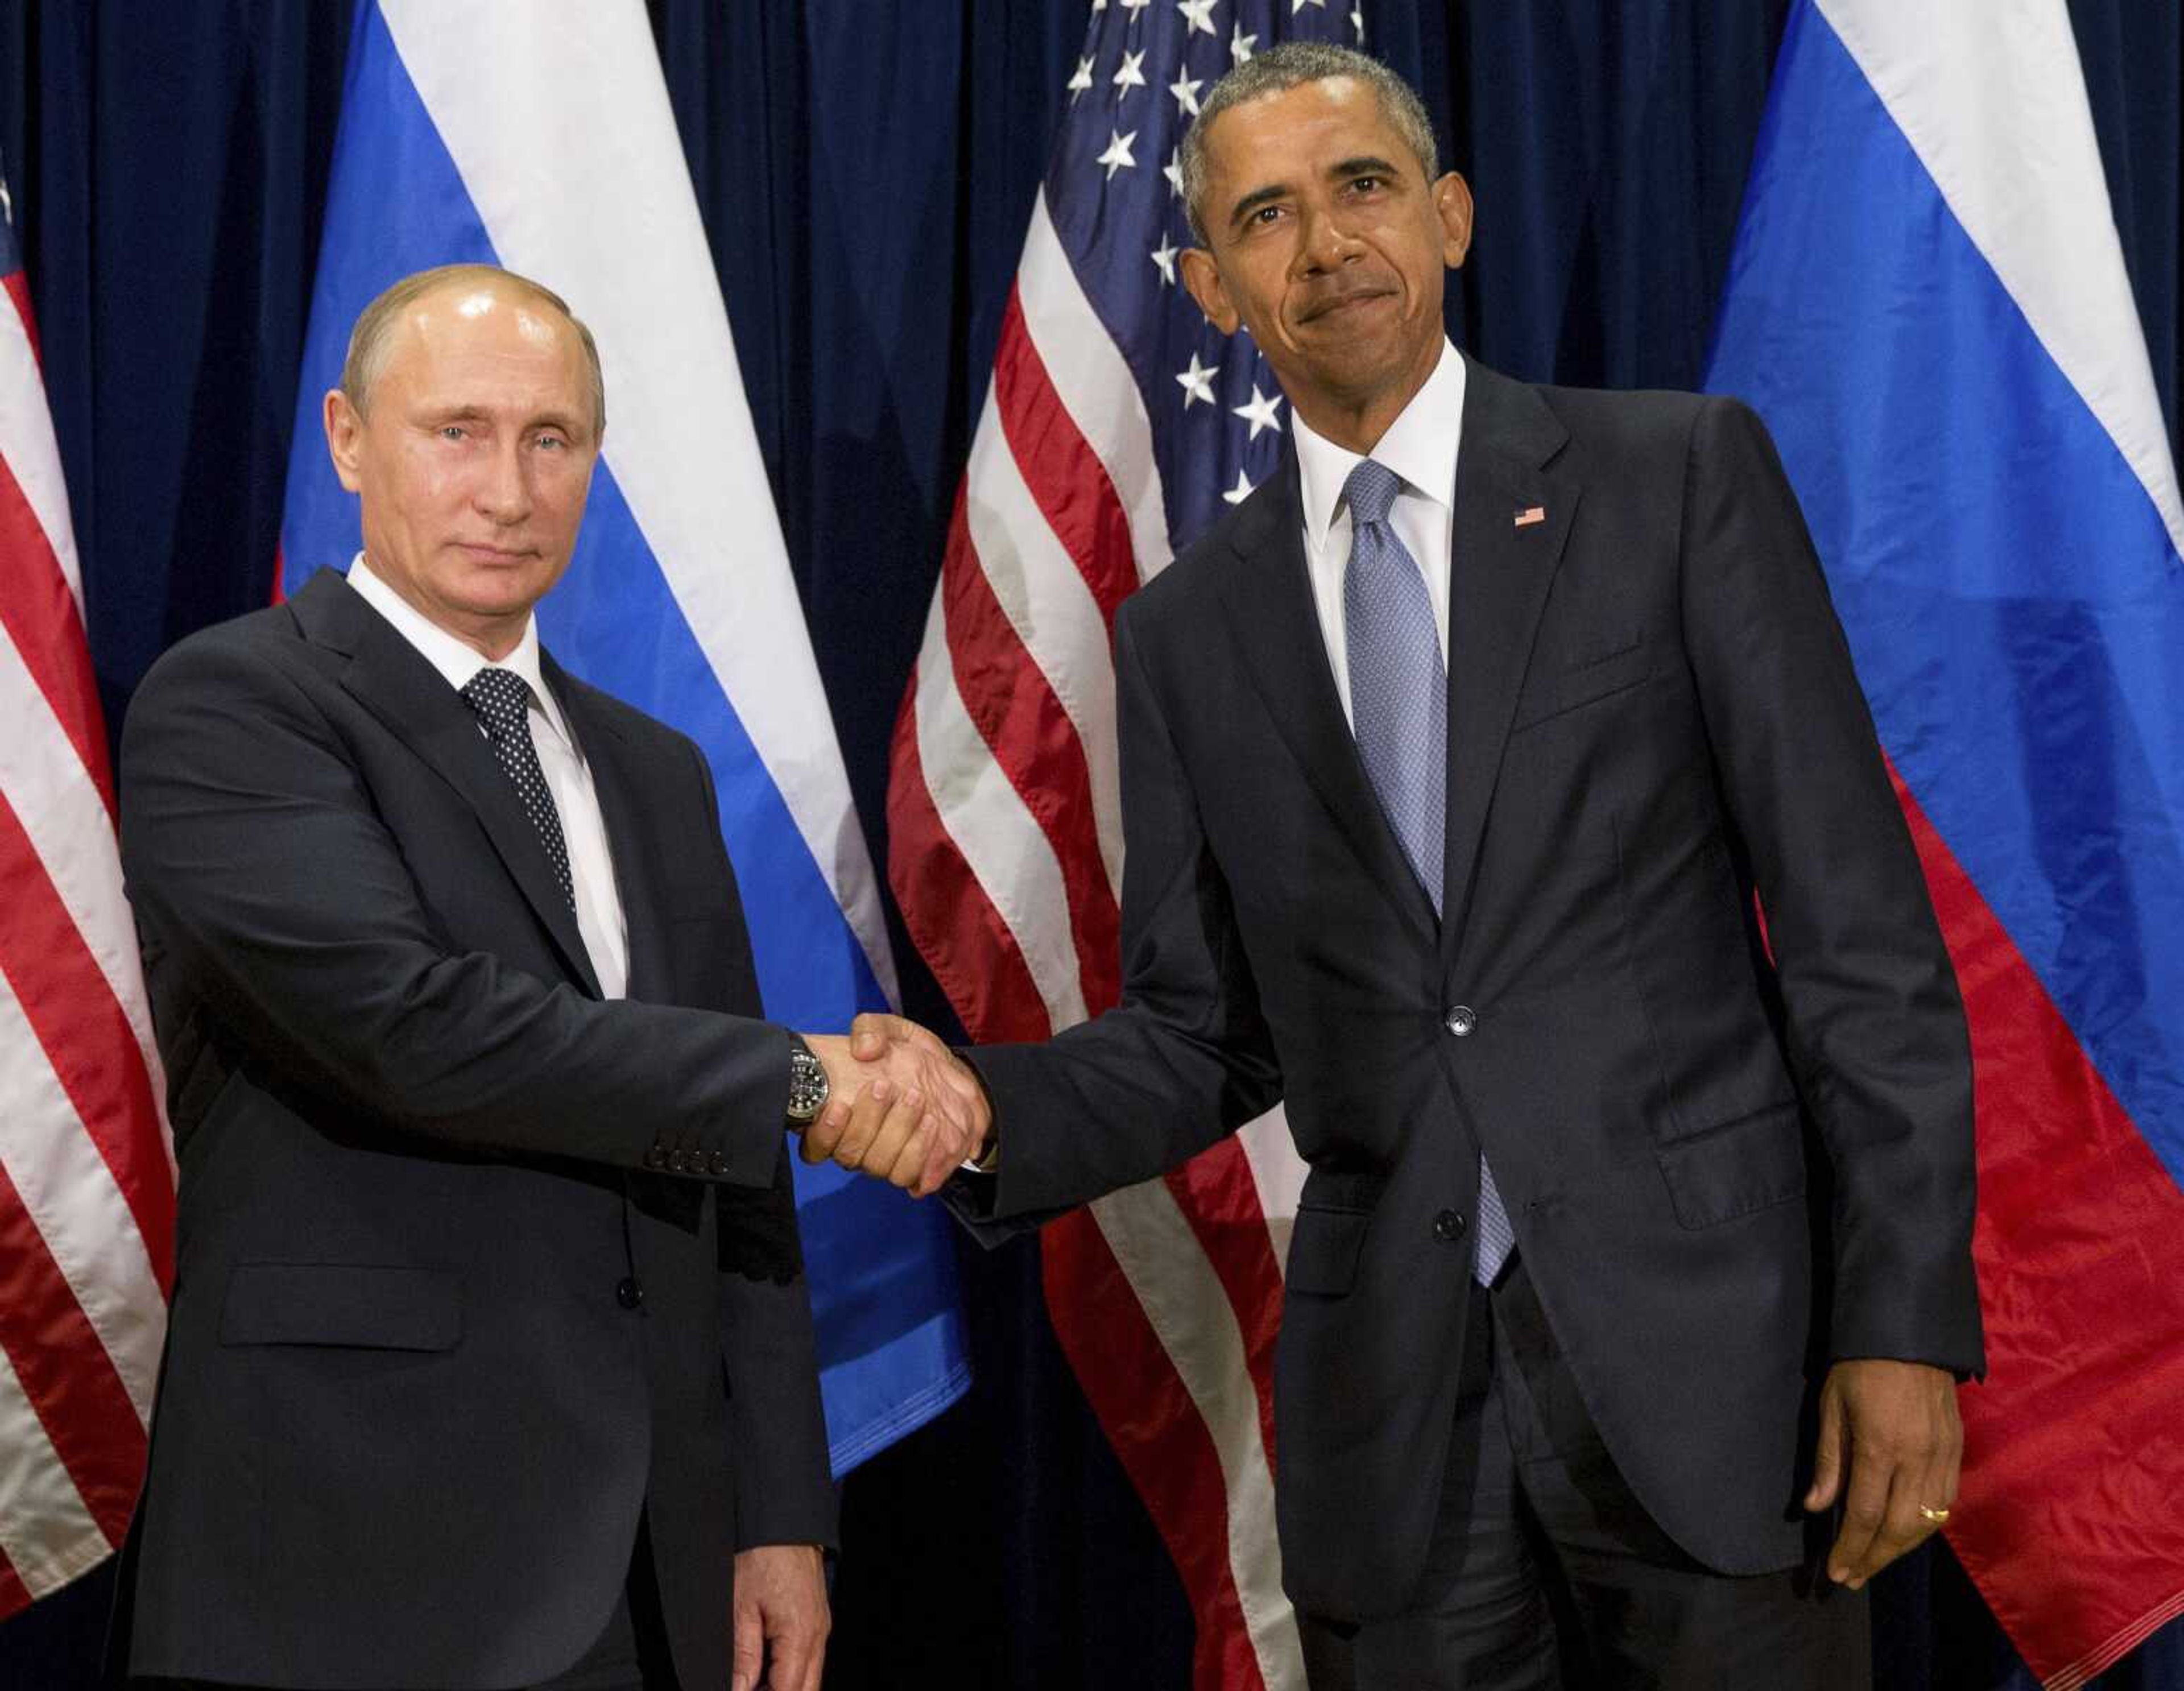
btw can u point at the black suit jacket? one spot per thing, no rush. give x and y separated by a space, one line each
1724 1169
473 1267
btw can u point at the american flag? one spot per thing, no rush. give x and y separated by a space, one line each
87 1175
1119 426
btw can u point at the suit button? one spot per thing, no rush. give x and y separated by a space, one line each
718 1162
630 1293
1448 1226
656 1158
1461 1020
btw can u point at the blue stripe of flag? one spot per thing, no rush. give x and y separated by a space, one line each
2014 601
883 1284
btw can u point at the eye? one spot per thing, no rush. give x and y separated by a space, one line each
1266 213
552 440
454 432
1366 184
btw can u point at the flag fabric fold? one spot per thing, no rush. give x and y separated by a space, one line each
86 1167
679 597
1927 302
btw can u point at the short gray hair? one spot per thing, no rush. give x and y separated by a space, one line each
1288 65
368 341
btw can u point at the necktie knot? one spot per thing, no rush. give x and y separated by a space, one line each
499 697
1371 491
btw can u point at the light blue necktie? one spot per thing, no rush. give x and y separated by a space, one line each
1399 712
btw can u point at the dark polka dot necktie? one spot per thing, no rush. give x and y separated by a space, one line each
501 700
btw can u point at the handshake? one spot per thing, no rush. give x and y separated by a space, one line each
900 1107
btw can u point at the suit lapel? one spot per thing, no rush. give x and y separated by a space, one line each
1268 596
391 679
1500 575
608 756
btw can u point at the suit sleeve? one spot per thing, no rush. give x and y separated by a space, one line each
784 1494
1875 1026
769 1349
1185 1057
253 852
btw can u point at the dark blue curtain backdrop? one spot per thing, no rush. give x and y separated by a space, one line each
866 169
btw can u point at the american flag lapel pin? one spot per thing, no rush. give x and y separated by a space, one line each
1531 514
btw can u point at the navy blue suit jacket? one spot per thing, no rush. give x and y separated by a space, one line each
1725 1166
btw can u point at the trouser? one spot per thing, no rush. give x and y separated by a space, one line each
1544 1573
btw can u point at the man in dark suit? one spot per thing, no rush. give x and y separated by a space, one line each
490 1361
1638 1224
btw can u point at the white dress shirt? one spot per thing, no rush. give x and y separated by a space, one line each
600 916
1420 446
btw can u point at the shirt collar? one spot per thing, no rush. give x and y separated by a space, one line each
1420 446
456 660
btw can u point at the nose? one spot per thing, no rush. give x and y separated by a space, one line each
503 489
1328 244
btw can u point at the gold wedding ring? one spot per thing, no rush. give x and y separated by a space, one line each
1939 1517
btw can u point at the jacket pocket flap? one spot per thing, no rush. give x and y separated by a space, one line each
1731 1171
1324 1249
1342 1189
343 1303
1556 693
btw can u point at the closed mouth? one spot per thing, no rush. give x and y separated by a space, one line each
1342 302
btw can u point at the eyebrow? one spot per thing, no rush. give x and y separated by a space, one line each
1363 165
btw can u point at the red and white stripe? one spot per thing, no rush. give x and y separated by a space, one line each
87 1166
1006 853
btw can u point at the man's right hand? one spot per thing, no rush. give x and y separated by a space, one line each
901 1108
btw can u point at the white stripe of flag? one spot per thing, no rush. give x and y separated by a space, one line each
77 1207
1019 869
46 784
62 1185
28 447
1990 99
700 495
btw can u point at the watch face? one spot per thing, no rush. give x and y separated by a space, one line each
807 1085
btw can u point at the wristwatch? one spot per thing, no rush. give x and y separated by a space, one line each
807 1083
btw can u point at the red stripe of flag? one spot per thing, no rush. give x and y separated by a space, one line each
1220 1199
39 613
1064 474
1009 698
951 921
66 1373
18 284
14 1595
2074 1455
72 1010
1158 1433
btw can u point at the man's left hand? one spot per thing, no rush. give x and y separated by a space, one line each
1890 1445
781 1618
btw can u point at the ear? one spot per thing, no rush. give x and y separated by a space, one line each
344 438
1202 276
1451 198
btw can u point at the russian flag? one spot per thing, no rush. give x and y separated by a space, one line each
1928 304
541 138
